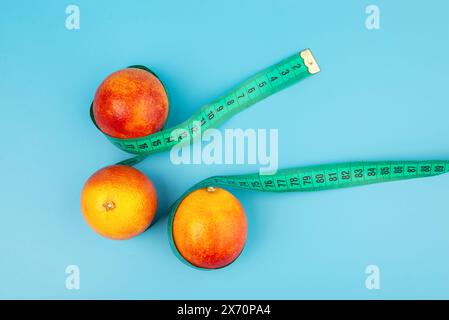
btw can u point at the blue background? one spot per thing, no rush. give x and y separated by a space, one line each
381 95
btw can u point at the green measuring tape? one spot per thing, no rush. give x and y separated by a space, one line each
316 178
313 178
249 92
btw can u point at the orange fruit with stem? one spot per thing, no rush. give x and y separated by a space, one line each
209 228
119 202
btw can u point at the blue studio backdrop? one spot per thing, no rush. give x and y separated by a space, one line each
381 95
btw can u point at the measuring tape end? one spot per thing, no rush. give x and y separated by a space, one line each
309 61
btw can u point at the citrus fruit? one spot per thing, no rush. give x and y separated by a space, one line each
209 228
130 103
118 202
